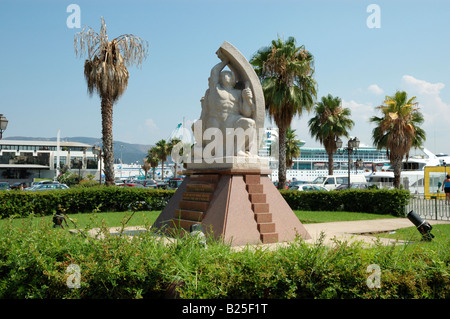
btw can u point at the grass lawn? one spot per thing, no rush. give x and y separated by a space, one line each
144 218
441 233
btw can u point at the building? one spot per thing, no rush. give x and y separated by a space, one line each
25 161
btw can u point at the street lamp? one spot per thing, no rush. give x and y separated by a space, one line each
98 152
352 147
3 125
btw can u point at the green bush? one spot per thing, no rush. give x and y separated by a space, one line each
33 264
80 199
376 201
85 199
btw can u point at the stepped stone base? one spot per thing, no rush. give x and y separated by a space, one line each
238 206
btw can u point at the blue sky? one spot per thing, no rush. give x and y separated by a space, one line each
42 87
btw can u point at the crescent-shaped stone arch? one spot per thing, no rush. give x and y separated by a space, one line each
244 72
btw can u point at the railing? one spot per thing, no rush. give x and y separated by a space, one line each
432 209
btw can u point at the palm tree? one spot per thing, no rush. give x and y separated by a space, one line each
292 147
106 74
174 141
146 166
162 149
330 122
397 130
286 73
152 159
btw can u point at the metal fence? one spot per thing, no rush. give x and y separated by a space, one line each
431 209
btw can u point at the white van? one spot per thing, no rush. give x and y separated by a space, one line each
330 182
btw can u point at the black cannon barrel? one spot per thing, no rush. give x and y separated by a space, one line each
415 218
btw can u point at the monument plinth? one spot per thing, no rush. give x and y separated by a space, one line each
227 188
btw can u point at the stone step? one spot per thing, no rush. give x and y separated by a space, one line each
260 208
183 223
200 186
197 197
265 228
212 178
263 218
254 188
269 238
252 179
257 198
193 205
189 215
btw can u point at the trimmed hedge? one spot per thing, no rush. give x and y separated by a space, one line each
80 200
376 201
34 264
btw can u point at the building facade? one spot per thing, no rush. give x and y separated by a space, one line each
25 161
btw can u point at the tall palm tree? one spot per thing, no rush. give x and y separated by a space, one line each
330 122
106 74
174 141
152 159
162 149
286 73
397 130
146 166
292 147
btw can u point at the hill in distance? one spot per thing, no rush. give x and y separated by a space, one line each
130 153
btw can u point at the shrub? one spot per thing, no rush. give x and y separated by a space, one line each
81 199
33 264
376 201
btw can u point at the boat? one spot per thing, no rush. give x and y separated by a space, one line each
375 166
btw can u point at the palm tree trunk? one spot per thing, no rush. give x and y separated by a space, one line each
397 165
162 171
282 158
330 163
107 138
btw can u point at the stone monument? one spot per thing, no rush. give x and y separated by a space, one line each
227 189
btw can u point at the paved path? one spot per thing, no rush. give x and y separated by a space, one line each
359 230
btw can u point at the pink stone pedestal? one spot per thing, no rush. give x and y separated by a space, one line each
239 206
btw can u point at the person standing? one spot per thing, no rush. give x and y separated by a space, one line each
446 188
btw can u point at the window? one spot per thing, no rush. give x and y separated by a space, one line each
341 180
330 180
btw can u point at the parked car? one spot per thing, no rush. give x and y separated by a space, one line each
19 186
48 187
356 186
330 182
4 186
308 188
131 185
174 183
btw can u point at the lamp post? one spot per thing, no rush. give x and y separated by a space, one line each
98 152
352 147
3 125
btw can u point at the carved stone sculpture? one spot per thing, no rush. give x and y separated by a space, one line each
232 112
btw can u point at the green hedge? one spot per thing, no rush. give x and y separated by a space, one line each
79 200
377 201
34 263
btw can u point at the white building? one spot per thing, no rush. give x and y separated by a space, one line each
25 161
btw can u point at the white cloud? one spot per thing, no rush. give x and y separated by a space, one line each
436 112
375 89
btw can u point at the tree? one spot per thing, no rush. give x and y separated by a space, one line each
397 130
286 74
331 121
152 159
292 147
162 149
106 74
176 142
146 166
